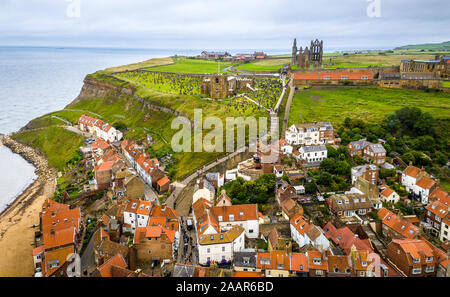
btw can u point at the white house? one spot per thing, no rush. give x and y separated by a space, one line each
388 195
409 177
316 237
423 189
304 233
417 181
310 134
136 214
204 190
278 171
313 153
221 230
298 227
244 215
99 128
220 247
285 148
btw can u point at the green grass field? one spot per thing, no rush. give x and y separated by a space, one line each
183 65
368 103
445 84
265 64
57 144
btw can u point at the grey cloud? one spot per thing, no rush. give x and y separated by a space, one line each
223 24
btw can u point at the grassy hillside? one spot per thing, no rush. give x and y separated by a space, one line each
367 103
57 144
140 65
443 46
265 65
183 65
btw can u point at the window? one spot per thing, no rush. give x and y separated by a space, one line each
208 250
416 261
220 218
336 269
429 259
317 261
149 251
344 77
231 217
319 272
429 269
361 273
416 270
223 249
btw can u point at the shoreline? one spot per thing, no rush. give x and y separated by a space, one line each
27 185
19 217
34 158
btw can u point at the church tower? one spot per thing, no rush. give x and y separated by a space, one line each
294 52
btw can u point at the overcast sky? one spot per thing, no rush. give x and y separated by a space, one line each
223 24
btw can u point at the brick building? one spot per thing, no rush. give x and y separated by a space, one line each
413 257
371 152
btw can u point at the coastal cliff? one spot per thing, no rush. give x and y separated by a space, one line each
94 88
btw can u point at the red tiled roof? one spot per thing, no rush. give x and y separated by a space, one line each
300 224
332 75
403 227
440 195
299 262
105 166
438 209
163 181
412 171
117 260
425 183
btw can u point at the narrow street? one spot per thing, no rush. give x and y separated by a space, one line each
187 251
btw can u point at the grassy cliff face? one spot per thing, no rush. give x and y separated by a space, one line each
58 145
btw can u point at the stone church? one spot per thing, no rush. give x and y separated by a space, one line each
304 58
220 86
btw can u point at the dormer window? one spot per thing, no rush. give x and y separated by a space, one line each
241 213
429 259
142 206
212 237
364 263
317 261
231 218
134 205
416 261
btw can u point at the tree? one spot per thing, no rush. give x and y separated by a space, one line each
310 188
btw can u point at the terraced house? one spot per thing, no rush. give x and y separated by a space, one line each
436 215
310 134
221 230
418 183
414 257
100 128
61 231
346 206
394 227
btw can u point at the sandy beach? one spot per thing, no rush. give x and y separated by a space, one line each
16 233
